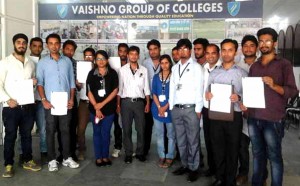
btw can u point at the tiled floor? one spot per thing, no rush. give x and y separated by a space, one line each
137 173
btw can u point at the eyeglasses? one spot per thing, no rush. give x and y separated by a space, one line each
89 56
100 59
183 49
266 42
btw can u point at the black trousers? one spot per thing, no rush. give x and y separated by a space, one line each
207 139
117 133
148 130
244 155
225 138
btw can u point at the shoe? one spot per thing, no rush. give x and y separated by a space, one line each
101 164
168 163
141 158
116 153
208 173
60 158
52 166
81 156
217 183
192 176
70 163
128 159
180 171
31 165
161 162
9 171
241 180
107 163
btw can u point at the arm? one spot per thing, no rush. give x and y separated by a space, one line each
47 105
147 92
199 90
111 96
172 88
71 100
93 102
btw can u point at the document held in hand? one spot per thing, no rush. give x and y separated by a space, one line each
25 93
83 69
253 92
59 100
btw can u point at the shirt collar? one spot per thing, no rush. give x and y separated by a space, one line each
96 72
60 55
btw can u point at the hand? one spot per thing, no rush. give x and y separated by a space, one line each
234 98
70 104
208 96
161 112
268 81
118 109
12 103
78 85
34 81
198 114
243 107
99 106
147 108
47 105
99 114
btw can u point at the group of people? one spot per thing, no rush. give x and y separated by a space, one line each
170 92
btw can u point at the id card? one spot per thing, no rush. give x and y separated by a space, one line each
101 92
162 98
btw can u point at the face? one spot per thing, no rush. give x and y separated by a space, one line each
199 51
249 49
228 52
266 44
165 64
53 45
69 51
20 46
122 53
88 56
36 48
101 61
211 55
154 52
175 56
133 56
184 53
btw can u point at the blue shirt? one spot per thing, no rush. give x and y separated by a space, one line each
55 76
157 89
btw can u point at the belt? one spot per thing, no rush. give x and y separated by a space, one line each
134 99
85 101
24 107
184 106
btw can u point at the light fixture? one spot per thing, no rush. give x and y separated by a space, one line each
137 1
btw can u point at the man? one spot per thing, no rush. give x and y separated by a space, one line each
225 135
212 55
36 48
185 100
133 89
13 69
69 48
122 53
55 74
83 111
175 55
249 49
266 128
199 50
153 67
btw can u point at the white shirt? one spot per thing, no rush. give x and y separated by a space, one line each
244 65
12 70
207 71
148 63
133 86
191 83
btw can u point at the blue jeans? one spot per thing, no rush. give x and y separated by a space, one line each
266 137
159 130
101 135
41 124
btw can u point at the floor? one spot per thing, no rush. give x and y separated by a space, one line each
137 173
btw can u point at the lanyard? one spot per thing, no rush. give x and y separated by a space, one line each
180 75
212 69
155 69
164 81
134 71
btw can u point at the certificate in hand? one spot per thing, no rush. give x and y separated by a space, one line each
115 63
25 93
83 69
59 100
253 92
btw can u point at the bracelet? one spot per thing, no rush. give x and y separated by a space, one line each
43 99
158 106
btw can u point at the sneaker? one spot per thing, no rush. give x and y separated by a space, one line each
31 165
9 171
70 163
116 153
52 166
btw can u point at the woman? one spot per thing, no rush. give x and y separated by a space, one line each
161 113
102 88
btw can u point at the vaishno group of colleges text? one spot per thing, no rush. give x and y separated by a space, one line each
176 8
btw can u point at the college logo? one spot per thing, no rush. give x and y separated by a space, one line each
62 10
233 8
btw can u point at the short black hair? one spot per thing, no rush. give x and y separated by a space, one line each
174 48
251 38
134 48
103 53
166 56
214 45
202 41
38 39
70 42
184 42
89 49
123 45
234 42
53 35
153 42
269 31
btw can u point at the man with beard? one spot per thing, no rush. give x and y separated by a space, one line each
17 68
199 50
266 127
175 55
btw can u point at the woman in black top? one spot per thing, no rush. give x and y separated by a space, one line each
102 88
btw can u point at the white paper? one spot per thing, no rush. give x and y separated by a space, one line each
24 94
59 101
83 69
115 63
253 92
220 101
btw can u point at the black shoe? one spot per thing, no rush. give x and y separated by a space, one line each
217 183
102 164
128 159
60 158
192 176
107 163
141 158
180 171
208 173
